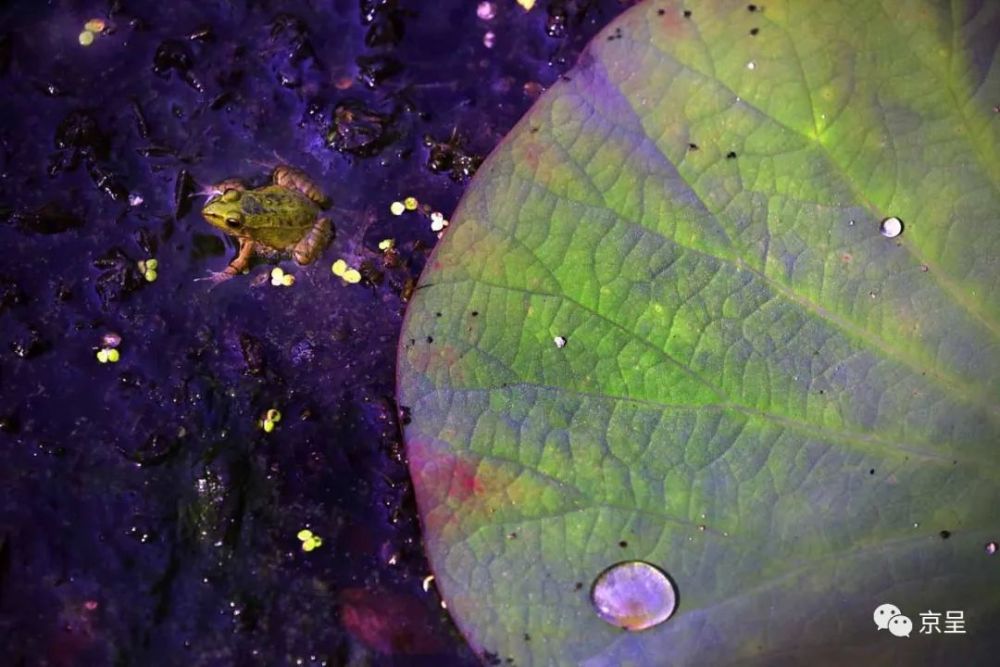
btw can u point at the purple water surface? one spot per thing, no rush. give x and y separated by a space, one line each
145 517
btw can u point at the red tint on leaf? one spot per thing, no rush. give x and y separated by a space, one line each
673 22
436 358
453 475
530 153
457 489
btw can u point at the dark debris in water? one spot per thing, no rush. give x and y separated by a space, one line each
49 218
148 518
450 157
119 276
358 130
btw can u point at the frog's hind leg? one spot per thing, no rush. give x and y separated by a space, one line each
216 189
313 243
292 178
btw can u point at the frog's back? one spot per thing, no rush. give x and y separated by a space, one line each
277 216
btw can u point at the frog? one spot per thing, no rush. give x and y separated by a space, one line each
282 218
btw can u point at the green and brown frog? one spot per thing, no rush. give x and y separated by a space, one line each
282 218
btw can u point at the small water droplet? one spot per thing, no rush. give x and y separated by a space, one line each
891 227
486 11
633 595
992 548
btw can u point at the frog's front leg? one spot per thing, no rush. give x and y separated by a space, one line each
242 261
230 184
236 267
313 243
293 179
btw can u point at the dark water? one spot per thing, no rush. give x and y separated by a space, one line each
145 517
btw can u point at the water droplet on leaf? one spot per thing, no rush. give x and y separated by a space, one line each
633 595
891 227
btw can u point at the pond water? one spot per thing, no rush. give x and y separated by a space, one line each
146 516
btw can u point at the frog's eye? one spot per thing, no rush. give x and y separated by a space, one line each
231 195
234 223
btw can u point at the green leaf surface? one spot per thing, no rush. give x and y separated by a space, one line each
759 393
